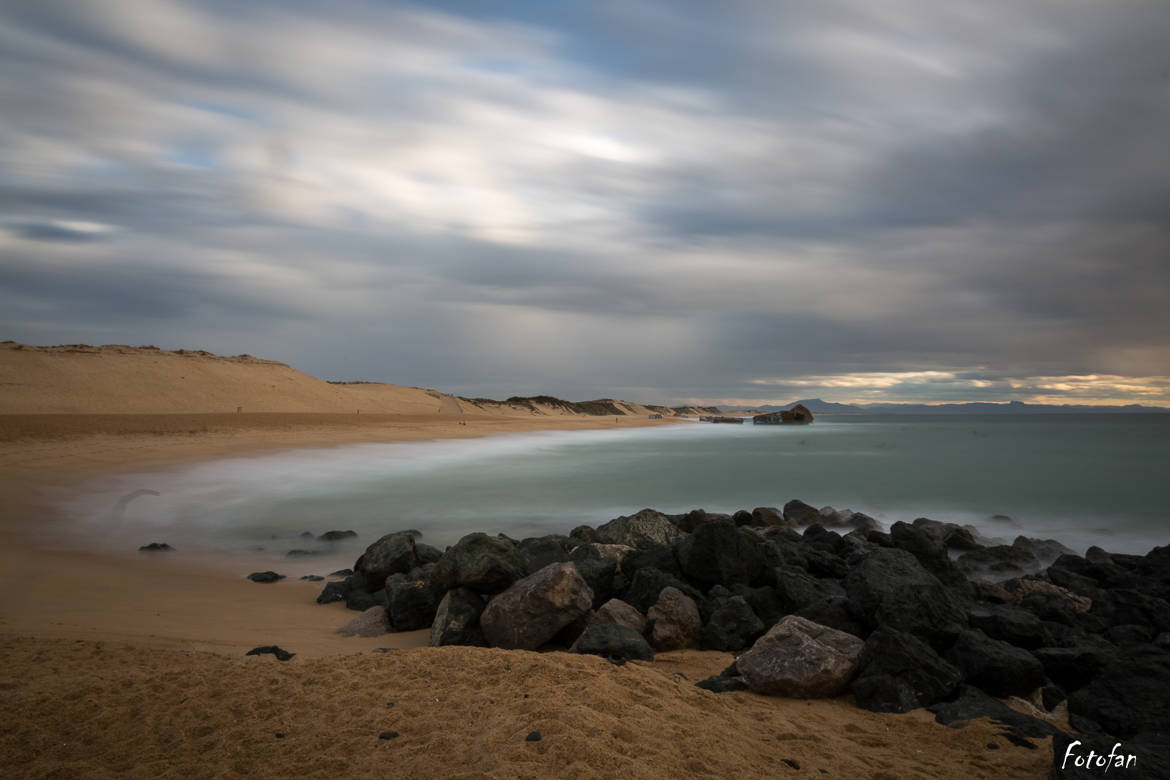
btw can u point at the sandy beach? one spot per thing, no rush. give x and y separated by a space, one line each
134 665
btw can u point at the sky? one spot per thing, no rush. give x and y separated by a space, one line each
749 201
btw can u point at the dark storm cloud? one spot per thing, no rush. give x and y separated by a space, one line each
681 200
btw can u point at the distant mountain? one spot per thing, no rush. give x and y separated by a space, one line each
817 406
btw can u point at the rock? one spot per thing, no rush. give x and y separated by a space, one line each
834 612
973 703
731 626
647 586
281 655
313 578
361 600
1025 586
392 554
1009 624
1074 667
697 517
541 551
265 576
341 573
897 672
721 553
797 589
534 609
373 622
156 547
797 513
621 613
1135 607
336 536
583 533
1129 694
992 592
1045 550
388 735
743 517
721 684
487 564
802 659
413 602
533 736
598 572
998 563
768 515
426 553
930 551
615 643
890 587
457 619
335 591
301 553
995 667
646 528
674 621
661 558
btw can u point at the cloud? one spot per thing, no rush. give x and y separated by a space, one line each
637 196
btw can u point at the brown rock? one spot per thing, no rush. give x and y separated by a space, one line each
375 621
801 659
618 611
674 621
534 609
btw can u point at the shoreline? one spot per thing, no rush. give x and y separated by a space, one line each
178 599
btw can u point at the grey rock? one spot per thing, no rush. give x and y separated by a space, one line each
802 659
674 621
534 609
373 622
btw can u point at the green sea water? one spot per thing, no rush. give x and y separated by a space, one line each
1082 479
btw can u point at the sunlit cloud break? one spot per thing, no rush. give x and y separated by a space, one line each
961 387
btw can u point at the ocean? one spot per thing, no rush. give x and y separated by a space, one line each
1081 479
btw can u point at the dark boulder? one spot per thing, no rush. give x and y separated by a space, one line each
995 667
768 515
1045 550
972 704
426 553
998 563
891 587
265 576
615 643
721 684
1074 667
392 554
1009 624
599 573
796 512
765 602
797 589
335 591
721 553
731 626
336 536
743 517
361 600
1135 607
695 518
457 619
487 564
661 558
930 551
646 586
1129 695
897 672
156 547
413 602
647 528
281 655
541 551
584 533
534 609
835 612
